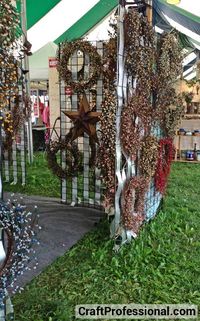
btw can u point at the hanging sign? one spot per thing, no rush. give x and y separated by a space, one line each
53 62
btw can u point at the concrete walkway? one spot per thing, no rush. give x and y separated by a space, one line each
62 226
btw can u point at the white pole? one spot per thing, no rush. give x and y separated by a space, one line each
27 81
1 183
120 78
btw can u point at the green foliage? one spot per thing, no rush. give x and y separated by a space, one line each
161 266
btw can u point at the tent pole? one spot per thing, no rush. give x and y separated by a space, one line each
149 11
1 172
27 81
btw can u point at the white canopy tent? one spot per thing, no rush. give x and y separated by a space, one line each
54 21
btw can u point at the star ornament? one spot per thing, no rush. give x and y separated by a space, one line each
84 120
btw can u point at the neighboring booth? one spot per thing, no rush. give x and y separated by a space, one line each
187 140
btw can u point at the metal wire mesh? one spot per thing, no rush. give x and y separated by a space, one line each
14 159
85 188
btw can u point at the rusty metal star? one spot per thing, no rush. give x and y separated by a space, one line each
84 120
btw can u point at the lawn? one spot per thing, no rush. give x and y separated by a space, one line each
161 266
39 179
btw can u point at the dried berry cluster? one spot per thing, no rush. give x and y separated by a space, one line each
148 156
106 152
9 28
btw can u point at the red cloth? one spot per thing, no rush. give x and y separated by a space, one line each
45 116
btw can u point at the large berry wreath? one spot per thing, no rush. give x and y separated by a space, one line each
66 53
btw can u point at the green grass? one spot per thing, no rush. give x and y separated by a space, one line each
39 179
161 266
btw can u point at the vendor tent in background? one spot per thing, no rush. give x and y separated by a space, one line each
52 21
185 18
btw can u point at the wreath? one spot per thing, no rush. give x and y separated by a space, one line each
72 161
140 50
133 203
73 157
67 51
165 157
136 118
18 226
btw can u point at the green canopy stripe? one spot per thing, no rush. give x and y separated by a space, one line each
37 9
181 11
88 21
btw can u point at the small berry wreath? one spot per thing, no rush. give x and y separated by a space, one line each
67 51
134 202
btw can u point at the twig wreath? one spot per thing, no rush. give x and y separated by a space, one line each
73 158
148 156
165 157
19 226
133 203
136 119
68 50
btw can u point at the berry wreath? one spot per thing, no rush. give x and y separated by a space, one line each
67 51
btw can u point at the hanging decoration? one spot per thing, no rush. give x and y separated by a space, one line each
110 61
106 152
27 104
133 203
172 117
168 68
9 29
165 157
7 126
19 227
148 156
73 158
139 51
9 78
95 67
135 121
13 121
169 64
84 121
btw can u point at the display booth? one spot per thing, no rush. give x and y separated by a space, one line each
112 136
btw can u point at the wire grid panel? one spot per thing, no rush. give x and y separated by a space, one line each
14 159
153 198
126 87
83 189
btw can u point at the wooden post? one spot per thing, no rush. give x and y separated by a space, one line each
149 11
